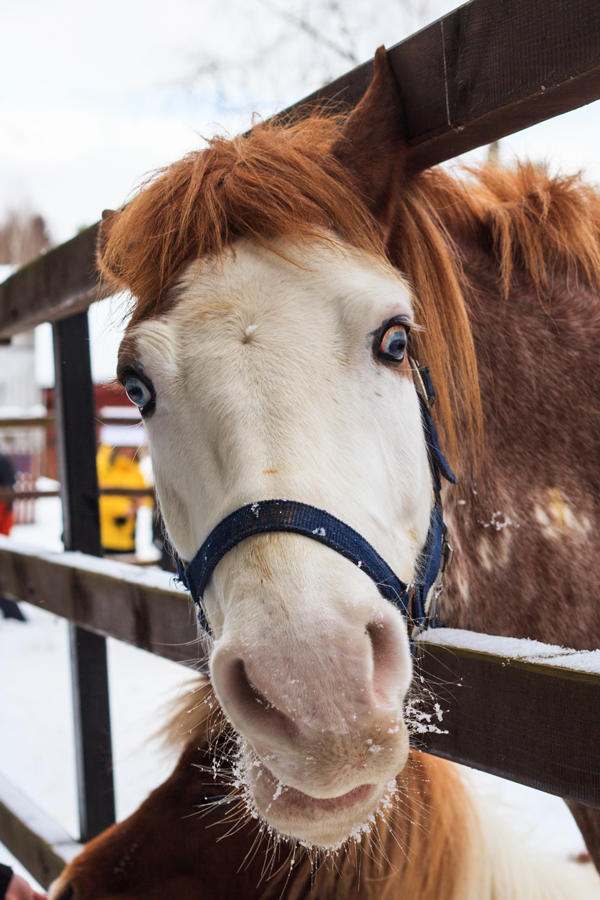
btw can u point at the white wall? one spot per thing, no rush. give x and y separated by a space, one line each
106 331
18 386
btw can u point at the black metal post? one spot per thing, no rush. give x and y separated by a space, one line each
76 444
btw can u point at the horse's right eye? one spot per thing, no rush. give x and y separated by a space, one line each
393 344
391 340
138 392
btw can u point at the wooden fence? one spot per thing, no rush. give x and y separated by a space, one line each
482 72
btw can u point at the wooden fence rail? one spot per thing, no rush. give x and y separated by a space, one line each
111 598
6 494
525 711
33 837
518 712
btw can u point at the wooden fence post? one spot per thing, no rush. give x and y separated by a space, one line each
76 444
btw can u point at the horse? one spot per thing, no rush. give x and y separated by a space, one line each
193 839
283 284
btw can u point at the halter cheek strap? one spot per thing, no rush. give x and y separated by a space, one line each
417 602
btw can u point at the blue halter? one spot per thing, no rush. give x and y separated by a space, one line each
417 602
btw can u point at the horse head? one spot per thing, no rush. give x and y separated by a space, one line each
268 353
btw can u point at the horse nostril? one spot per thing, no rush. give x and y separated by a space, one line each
245 686
250 711
250 694
380 643
388 658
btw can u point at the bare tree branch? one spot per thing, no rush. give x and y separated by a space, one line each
301 23
297 45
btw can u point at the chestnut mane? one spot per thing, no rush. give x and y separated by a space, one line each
285 181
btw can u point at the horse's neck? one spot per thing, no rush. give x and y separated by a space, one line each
535 508
441 845
433 838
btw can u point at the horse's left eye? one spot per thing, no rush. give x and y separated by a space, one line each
139 393
393 344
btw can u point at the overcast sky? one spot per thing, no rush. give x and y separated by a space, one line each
88 102
92 96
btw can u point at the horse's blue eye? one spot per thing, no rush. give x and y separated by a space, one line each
393 343
137 391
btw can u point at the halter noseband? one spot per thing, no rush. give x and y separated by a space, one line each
417 602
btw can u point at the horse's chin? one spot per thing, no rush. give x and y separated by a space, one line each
325 823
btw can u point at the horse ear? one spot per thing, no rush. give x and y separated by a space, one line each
109 218
372 143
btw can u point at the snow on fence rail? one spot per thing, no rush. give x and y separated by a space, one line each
114 599
516 708
37 841
486 70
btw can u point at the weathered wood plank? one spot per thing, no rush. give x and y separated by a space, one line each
76 446
36 840
531 722
7 495
487 70
484 71
51 287
27 421
76 434
113 599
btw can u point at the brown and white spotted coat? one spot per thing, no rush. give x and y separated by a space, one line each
504 269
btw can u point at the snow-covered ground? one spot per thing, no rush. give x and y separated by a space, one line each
37 747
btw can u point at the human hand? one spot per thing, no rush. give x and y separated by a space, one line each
18 889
